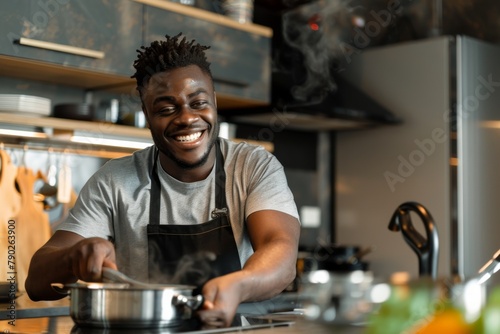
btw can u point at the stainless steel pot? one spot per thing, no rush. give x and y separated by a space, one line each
340 298
117 305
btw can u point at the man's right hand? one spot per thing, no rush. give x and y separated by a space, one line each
66 258
88 256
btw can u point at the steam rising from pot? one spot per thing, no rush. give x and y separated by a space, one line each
328 34
192 269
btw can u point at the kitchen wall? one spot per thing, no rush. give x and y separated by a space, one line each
376 169
444 89
82 167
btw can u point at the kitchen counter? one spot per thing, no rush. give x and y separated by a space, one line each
64 325
24 307
53 317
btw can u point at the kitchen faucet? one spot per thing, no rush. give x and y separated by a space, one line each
427 249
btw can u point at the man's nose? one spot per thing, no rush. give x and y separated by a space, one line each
187 115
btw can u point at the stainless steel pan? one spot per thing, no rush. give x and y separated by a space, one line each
122 305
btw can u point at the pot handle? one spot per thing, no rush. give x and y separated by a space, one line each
59 288
193 302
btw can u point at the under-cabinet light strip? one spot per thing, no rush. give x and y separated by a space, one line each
110 142
22 133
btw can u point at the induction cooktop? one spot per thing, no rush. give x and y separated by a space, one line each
241 322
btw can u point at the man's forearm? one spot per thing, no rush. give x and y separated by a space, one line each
48 265
269 271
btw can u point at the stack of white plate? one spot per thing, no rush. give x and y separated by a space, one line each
25 104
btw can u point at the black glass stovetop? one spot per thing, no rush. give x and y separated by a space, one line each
241 323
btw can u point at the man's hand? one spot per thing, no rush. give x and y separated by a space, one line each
222 297
265 274
65 258
88 256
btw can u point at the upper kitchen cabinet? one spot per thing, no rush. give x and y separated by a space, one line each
94 35
240 54
91 44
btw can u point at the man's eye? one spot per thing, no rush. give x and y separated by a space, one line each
199 104
166 110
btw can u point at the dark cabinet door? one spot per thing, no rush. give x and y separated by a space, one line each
241 60
100 35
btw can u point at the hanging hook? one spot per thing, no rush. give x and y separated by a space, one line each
50 156
1 149
23 157
51 173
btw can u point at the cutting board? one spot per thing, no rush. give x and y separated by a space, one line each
32 224
11 204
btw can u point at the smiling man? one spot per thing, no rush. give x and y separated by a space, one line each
181 112
190 201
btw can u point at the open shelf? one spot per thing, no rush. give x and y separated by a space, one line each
100 139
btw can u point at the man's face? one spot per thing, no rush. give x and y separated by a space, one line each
181 110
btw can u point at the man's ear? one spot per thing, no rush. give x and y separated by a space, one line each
145 115
215 99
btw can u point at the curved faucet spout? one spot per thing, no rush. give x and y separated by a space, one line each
426 248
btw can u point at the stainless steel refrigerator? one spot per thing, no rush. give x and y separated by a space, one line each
445 155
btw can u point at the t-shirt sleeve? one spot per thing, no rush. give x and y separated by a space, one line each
267 186
91 215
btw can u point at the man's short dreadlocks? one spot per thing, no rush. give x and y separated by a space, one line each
167 55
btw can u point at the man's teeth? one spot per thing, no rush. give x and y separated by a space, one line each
191 137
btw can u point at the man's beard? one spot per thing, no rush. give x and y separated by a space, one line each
186 165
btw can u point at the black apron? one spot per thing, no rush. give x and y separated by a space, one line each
191 254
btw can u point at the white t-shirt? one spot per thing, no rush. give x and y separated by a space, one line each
115 201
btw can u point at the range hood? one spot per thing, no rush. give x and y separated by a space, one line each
308 91
345 109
